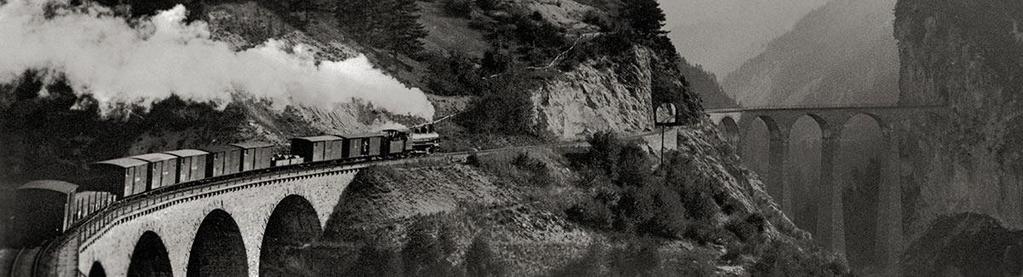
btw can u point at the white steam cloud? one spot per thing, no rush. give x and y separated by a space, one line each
151 59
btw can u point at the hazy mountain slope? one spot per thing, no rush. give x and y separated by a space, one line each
723 34
842 53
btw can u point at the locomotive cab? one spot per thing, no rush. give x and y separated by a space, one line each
424 139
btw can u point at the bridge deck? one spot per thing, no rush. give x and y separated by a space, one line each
824 108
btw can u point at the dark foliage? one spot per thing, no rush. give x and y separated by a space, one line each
480 260
968 243
638 258
528 37
637 199
31 121
504 106
645 17
786 259
375 261
454 75
430 243
386 24
458 8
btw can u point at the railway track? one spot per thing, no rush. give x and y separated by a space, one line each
27 261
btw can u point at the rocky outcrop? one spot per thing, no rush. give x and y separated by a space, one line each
591 98
967 244
966 55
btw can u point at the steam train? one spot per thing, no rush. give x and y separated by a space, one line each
48 208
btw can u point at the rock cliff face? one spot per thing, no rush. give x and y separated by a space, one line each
591 98
967 55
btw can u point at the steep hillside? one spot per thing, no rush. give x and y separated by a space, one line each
841 53
966 55
541 213
721 35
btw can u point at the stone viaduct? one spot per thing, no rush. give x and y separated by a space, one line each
737 125
221 228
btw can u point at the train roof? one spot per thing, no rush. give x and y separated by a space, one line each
87 194
251 145
318 138
123 162
186 153
54 185
154 157
219 148
361 135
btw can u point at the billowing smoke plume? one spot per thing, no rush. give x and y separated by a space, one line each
115 61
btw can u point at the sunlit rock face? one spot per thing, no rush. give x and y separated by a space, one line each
966 55
592 98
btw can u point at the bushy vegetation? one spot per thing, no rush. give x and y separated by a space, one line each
386 24
674 201
430 249
504 106
32 124
636 257
481 261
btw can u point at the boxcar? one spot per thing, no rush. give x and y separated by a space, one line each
123 177
395 142
362 145
162 168
43 211
255 155
318 148
88 202
191 164
222 160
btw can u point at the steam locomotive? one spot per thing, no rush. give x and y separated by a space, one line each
51 207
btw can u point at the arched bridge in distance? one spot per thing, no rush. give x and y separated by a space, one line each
736 124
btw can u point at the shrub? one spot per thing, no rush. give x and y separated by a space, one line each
640 257
430 243
539 174
480 260
747 229
589 264
786 259
705 232
458 8
592 212
375 261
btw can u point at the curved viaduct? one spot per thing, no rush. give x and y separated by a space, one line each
242 226
737 124
222 228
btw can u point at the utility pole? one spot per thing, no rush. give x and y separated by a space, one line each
665 115
662 145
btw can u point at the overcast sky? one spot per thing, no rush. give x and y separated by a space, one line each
722 34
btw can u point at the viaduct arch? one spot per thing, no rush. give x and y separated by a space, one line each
149 259
779 122
232 228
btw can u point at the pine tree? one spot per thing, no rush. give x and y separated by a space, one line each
645 17
386 24
405 24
